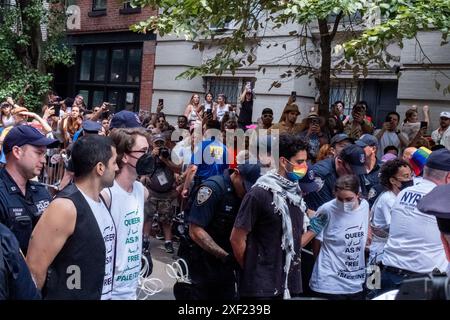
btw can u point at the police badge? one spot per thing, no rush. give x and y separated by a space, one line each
203 194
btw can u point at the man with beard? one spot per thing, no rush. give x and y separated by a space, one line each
71 252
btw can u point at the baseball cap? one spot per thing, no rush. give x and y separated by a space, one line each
436 203
125 119
439 160
445 114
24 134
367 140
339 138
158 137
267 111
307 183
91 126
250 173
354 155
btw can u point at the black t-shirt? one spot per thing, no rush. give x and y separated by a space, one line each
245 116
263 274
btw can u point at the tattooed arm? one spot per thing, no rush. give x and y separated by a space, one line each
204 240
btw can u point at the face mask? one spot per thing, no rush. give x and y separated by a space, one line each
298 171
145 165
406 184
346 206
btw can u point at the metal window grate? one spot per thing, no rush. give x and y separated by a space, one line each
346 91
228 86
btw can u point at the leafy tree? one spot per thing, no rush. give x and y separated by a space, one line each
27 57
347 34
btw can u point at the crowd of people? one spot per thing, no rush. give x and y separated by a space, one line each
271 210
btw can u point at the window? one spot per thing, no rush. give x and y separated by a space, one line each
99 5
117 65
231 87
128 9
100 65
347 91
134 65
85 66
110 73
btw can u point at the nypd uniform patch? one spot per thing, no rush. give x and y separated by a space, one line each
203 194
319 182
372 193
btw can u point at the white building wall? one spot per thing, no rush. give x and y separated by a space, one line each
416 85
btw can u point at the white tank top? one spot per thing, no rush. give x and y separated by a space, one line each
108 230
221 111
127 209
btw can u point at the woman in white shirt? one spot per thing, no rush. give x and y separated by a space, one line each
395 175
411 124
194 110
340 269
221 108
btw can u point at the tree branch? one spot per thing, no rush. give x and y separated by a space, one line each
336 24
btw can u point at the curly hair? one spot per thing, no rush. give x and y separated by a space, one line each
290 145
389 169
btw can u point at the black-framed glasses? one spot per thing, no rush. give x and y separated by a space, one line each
140 151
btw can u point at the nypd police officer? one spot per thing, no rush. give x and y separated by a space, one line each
22 201
15 278
212 266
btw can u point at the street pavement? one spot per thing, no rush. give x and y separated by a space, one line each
160 259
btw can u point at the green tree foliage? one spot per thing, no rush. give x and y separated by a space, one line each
365 27
26 59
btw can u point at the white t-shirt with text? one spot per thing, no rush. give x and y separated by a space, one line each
108 231
340 267
127 209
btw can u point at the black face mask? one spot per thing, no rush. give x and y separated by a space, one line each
406 184
145 165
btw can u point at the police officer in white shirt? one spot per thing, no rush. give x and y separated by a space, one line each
414 246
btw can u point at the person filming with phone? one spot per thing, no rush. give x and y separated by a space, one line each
390 135
359 124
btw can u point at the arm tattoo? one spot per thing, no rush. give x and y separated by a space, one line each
209 245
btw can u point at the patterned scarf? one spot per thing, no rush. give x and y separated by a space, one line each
283 190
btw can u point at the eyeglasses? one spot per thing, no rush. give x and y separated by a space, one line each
267 116
139 151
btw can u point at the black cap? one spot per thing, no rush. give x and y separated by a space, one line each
367 140
437 203
339 138
91 126
308 182
439 160
267 110
250 173
24 134
354 155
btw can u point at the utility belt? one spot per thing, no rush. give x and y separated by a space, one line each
400 272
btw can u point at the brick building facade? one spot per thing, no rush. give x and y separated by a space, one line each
112 63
